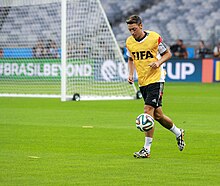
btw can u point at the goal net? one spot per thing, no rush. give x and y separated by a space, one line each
60 48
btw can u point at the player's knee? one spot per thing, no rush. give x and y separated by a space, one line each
148 109
158 116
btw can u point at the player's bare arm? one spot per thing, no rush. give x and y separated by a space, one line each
165 56
131 70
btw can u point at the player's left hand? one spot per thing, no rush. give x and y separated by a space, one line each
154 65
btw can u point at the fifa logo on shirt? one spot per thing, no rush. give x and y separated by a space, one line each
142 55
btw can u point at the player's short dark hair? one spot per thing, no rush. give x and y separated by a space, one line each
134 19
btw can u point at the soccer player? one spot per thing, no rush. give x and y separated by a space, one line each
146 53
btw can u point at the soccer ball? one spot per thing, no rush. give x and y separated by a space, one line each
144 122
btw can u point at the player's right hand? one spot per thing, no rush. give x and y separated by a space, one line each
131 79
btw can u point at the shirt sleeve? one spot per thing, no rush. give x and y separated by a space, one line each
128 53
162 47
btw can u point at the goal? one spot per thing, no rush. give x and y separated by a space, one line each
60 48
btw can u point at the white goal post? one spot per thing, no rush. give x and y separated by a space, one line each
60 49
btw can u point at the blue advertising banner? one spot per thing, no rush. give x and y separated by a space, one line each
177 70
184 70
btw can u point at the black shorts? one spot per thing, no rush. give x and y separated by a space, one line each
152 94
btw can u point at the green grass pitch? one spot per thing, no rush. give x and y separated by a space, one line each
42 141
